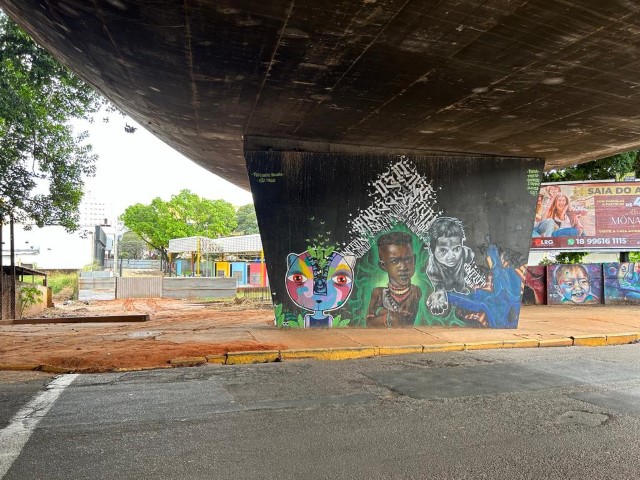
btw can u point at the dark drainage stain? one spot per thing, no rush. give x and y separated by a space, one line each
582 418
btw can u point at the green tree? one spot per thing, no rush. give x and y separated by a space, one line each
185 215
131 246
603 169
38 148
247 222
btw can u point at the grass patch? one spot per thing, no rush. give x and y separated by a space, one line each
63 282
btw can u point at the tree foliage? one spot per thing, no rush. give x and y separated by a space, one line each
42 162
603 169
247 222
131 246
185 215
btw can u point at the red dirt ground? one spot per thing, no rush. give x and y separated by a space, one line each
100 347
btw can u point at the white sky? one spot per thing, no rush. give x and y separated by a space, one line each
137 167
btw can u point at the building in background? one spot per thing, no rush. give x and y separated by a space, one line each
53 248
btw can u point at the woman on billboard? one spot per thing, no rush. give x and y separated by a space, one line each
560 220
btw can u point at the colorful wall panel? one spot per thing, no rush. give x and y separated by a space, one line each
258 274
223 269
621 283
239 271
535 286
574 284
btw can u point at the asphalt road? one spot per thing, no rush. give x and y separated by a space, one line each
553 413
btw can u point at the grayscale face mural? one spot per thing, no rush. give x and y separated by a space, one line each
392 241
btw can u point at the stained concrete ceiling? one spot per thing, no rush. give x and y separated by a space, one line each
557 79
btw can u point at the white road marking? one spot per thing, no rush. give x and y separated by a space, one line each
14 437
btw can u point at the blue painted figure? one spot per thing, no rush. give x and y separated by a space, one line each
500 303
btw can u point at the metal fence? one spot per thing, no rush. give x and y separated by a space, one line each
146 287
260 294
135 264
5 301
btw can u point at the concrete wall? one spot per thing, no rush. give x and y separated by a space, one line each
155 287
611 283
96 289
195 287
329 222
46 301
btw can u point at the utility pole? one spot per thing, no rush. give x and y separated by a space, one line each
12 300
115 249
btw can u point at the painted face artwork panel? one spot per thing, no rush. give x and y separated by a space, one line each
574 284
319 282
621 282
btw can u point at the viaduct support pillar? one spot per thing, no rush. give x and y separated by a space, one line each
356 238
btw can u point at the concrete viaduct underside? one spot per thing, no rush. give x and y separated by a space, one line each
555 79
394 148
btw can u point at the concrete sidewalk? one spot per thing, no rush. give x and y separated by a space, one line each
540 326
248 336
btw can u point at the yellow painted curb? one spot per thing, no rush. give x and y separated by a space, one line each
622 338
589 340
520 343
555 342
443 347
219 359
187 361
407 349
19 366
492 344
258 356
330 353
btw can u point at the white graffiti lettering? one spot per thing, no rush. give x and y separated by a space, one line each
399 195
472 277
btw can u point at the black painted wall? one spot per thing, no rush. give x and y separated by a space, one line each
331 209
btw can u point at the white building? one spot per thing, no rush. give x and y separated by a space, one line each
94 211
52 247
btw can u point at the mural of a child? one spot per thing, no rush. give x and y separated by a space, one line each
572 282
447 258
397 303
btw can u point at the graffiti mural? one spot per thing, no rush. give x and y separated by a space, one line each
396 303
393 240
535 286
574 284
621 282
319 280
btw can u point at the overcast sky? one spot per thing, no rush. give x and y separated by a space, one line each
135 168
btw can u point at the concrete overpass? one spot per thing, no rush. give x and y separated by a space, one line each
328 95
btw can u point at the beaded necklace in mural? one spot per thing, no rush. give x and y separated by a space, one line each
399 294
392 297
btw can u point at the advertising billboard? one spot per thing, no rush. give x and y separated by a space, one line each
587 217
